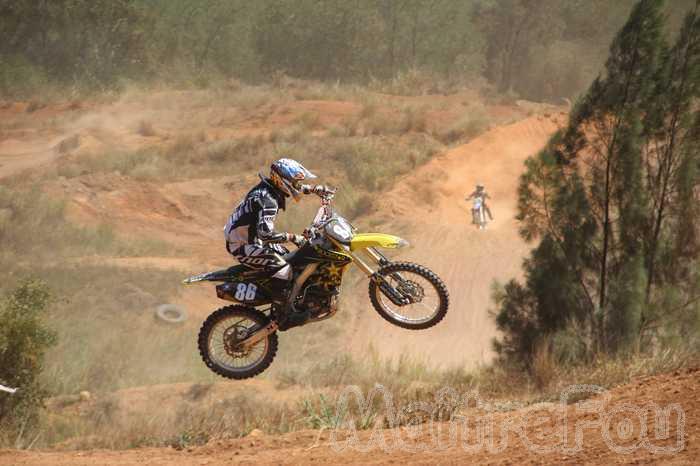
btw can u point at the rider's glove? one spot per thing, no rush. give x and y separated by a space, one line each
323 189
298 240
318 189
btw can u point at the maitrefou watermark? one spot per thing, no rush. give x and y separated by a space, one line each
466 421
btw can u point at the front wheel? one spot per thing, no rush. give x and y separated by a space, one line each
219 340
425 296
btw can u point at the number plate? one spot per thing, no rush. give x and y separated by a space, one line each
245 292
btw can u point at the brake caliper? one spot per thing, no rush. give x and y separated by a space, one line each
390 292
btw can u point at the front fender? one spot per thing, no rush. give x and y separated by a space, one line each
376 240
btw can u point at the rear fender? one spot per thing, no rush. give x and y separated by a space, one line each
225 275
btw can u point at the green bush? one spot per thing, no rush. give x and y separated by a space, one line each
24 340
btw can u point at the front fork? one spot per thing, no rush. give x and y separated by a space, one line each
380 259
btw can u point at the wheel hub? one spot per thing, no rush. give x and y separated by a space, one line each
232 338
414 291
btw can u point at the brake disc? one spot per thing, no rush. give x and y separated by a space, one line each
412 290
232 338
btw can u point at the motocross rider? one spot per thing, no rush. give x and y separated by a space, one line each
250 231
480 192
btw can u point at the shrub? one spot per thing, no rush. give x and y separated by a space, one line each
24 341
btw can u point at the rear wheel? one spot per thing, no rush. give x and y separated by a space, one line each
219 338
425 296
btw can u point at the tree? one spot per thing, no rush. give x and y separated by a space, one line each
512 28
618 166
670 157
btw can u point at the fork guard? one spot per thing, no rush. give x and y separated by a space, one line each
389 291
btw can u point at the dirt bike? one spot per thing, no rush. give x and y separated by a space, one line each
479 213
240 341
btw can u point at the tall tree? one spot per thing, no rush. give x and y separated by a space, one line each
618 165
670 159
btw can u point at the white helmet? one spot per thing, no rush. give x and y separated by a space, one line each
287 175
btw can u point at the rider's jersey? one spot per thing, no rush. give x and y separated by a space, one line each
481 193
253 220
479 198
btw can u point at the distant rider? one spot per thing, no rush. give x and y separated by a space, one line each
480 193
250 231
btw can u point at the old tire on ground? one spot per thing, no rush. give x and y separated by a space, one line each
171 314
407 273
218 351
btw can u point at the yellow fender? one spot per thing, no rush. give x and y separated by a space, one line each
376 240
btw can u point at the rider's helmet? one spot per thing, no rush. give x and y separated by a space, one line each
479 187
287 175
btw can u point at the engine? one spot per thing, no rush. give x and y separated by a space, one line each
320 303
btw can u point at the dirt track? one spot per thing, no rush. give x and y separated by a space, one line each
429 209
631 436
426 205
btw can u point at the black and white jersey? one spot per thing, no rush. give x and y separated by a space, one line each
253 220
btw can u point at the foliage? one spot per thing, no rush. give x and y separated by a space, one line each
24 341
539 49
609 200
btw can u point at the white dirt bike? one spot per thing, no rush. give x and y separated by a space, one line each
479 213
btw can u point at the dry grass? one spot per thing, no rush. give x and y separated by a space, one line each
309 121
145 128
414 119
26 211
105 422
473 123
409 82
544 367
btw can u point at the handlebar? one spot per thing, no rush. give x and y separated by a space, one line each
325 192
